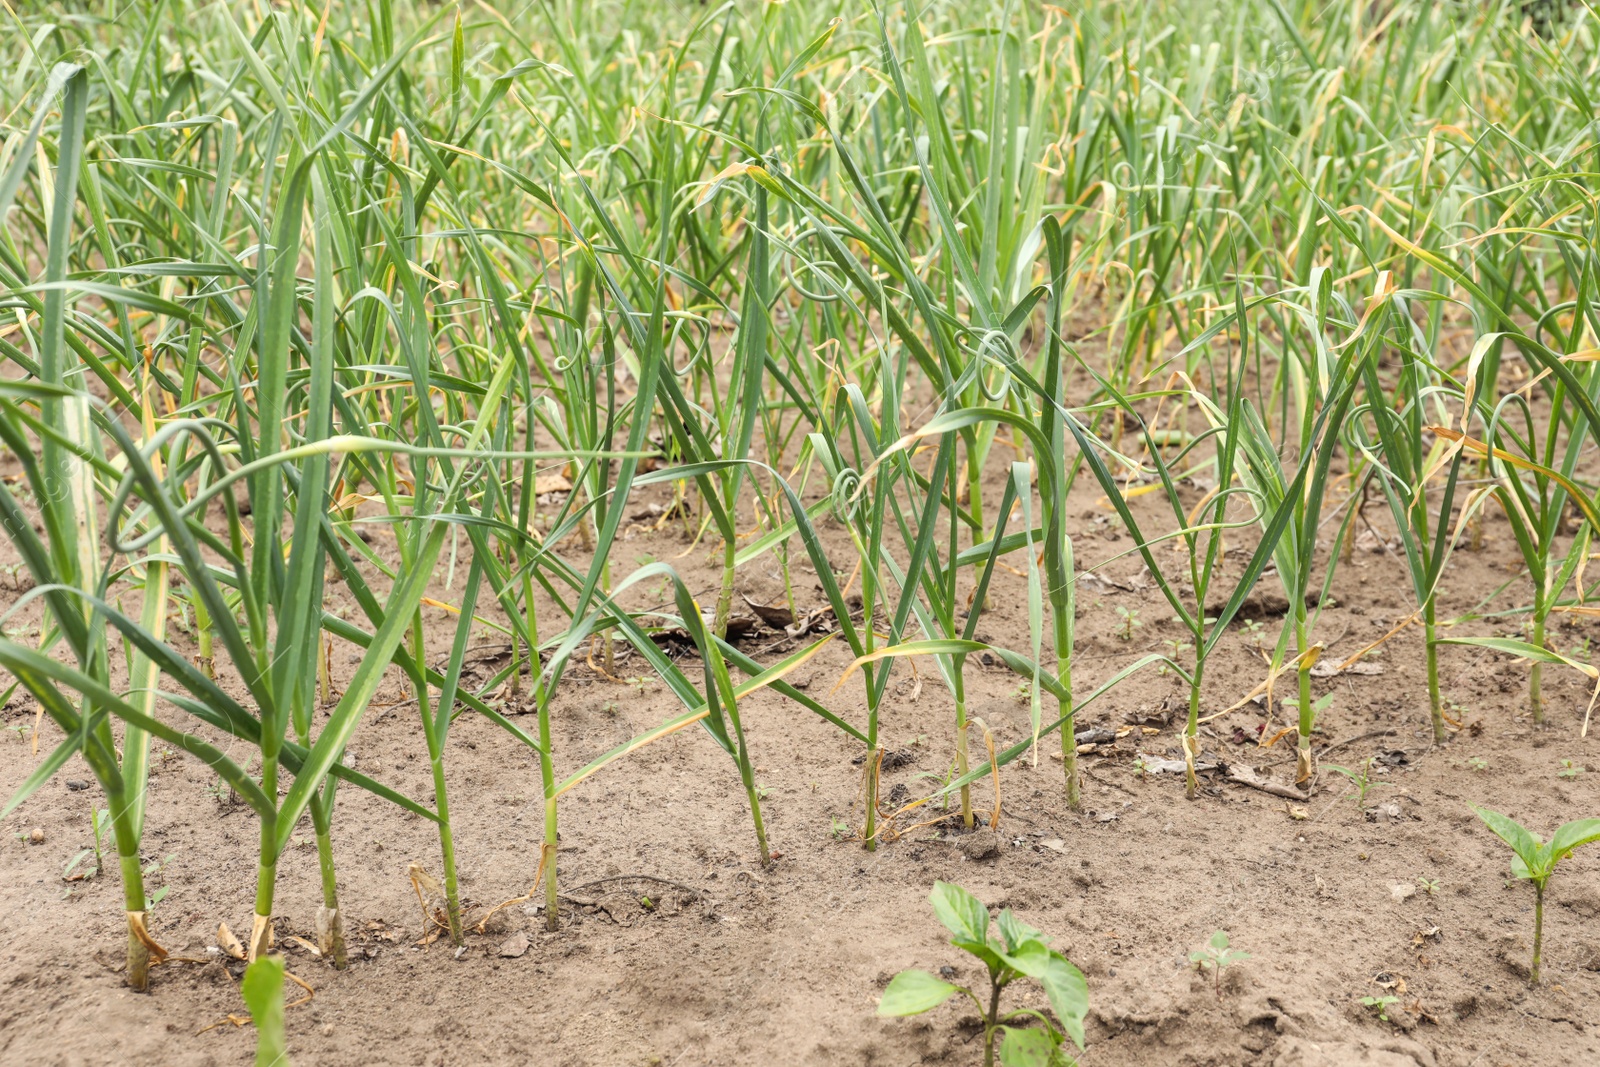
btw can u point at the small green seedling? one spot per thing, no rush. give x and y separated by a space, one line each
150 870
1380 1006
1477 763
941 780
1429 886
1536 861
1362 779
1177 647
75 870
1130 622
1217 956
1019 952
1569 770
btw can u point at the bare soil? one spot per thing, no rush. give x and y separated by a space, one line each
677 948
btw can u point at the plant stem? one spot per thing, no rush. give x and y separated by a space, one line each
452 893
719 621
447 846
514 683
975 485
1191 735
267 861
1304 766
330 925
782 552
133 895
202 627
1535 675
1059 568
748 777
607 638
990 1023
1538 932
961 739
874 751
266 879
325 669
433 733
552 898
547 768
874 756
1435 703
1069 756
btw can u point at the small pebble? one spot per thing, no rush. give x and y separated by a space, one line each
36 836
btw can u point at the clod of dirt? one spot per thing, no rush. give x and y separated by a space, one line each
36 836
501 922
1145 715
1387 811
1264 604
551 483
980 845
775 616
1299 1052
1584 902
1390 982
739 626
214 973
514 946
661 512
1330 670
1513 952
892 760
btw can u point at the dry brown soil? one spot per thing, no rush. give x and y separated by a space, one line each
731 964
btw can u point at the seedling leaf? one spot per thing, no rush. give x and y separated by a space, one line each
1573 835
1030 1047
1068 991
262 989
962 913
913 992
1524 844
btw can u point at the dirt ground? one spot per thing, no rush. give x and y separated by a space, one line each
730 964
